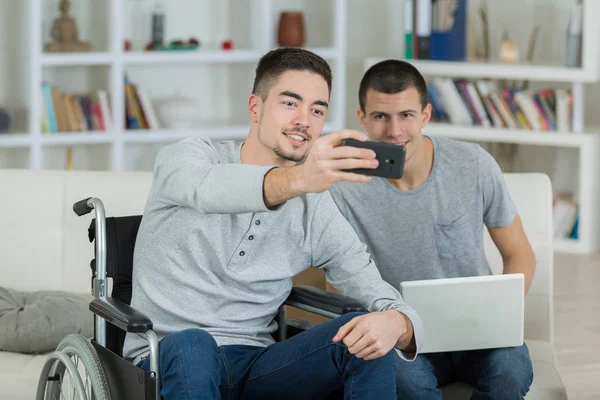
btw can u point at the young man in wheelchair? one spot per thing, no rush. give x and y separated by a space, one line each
227 226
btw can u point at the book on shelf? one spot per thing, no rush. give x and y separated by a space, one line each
565 216
72 112
139 110
485 103
435 29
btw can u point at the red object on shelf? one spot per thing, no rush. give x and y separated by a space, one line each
128 45
227 45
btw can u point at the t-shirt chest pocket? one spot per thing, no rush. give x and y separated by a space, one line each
454 239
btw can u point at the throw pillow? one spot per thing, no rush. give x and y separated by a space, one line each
35 322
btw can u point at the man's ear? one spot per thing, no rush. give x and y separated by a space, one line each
362 118
427 115
254 104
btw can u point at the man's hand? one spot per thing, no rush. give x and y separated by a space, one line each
321 169
373 335
327 159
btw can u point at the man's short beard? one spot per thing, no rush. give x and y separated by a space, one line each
288 157
278 150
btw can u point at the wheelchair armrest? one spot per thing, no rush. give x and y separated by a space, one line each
319 300
121 315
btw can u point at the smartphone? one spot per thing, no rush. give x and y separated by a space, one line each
390 156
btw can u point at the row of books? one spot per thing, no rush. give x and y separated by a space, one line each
485 103
565 216
69 112
139 110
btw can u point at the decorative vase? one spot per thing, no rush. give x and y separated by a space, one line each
291 29
178 112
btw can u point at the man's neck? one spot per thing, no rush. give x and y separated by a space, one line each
254 153
417 173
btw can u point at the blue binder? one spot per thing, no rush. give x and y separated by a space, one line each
451 45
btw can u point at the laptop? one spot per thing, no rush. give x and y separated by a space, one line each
470 313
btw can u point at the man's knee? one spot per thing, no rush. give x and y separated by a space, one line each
513 367
191 343
413 377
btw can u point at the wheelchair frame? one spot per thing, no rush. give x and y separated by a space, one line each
123 316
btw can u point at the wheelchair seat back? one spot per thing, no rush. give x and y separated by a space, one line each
121 233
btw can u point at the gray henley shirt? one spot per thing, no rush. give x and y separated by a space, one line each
209 254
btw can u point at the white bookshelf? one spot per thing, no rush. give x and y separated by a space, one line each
586 141
71 60
216 132
77 138
15 140
211 56
112 60
476 69
517 136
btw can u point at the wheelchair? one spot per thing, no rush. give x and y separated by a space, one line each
108 376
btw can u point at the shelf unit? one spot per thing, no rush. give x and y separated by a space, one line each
478 69
15 140
586 141
263 20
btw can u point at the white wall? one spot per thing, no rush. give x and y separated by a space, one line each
373 30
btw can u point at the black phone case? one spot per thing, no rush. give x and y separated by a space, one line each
390 156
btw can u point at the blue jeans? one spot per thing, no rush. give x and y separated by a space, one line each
306 366
504 373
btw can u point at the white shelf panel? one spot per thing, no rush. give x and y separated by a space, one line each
328 53
14 140
76 138
210 56
500 135
213 132
569 246
480 70
74 59
197 56
168 135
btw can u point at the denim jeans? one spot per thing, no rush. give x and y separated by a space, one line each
504 373
306 366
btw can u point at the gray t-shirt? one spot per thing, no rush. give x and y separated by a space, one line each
210 255
435 230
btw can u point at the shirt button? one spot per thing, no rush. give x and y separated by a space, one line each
251 237
242 253
257 222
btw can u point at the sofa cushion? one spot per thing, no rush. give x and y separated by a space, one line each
19 375
35 322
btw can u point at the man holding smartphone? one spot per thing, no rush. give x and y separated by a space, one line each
227 225
429 224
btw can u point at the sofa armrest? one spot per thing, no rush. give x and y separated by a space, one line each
322 302
121 315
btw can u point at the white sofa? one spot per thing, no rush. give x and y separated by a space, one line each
43 245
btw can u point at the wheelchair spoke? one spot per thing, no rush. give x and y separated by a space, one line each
76 362
62 380
63 376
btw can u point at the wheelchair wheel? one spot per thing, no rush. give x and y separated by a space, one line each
84 378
